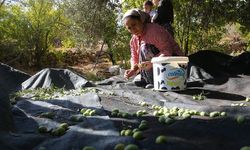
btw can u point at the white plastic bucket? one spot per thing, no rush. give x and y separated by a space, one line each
170 73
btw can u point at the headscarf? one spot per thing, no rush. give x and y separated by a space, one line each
144 17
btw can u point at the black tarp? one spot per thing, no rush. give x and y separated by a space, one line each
61 78
10 81
223 79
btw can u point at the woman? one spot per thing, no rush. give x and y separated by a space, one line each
148 40
164 15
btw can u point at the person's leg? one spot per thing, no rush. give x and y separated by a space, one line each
139 81
149 79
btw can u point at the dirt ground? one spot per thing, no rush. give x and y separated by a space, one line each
92 71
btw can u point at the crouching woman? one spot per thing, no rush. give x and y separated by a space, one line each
148 40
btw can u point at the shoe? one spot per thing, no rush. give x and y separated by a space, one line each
149 86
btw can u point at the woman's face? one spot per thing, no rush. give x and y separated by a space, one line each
134 26
147 8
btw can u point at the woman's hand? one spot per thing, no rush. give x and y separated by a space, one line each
130 72
162 55
147 65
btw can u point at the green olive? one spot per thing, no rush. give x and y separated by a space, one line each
169 121
186 115
123 132
49 115
144 122
143 104
125 115
92 112
83 110
113 114
202 113
64 125
115 110
138 135
42 129
144 111
131 147
143 126
245 148
88 148
195 97
161 139
86 113
139 113
214 114
175 108
119 114
156 113
58 131
135 130
128 132
223 114
174 113
88 110
119 146
240 119
161 119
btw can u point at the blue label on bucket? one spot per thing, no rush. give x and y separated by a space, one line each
175 73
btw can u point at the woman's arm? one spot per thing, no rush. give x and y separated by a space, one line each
133 61
134 54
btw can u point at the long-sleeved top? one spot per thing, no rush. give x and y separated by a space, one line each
156 35
165 13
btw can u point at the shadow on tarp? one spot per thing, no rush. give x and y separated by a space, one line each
213 94
78 139
214 81
10 81
62 109
190 134
194 133
14 141
25 135
6 120
216 67
219 64
97 131
219 81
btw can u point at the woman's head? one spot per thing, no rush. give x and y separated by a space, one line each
147 6
134 21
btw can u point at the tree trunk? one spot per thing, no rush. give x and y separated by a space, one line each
96 62
111 56
186 46
1 4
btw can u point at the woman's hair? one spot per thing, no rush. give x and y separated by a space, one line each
148 2
137 14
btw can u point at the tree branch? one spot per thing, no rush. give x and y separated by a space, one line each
1 4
